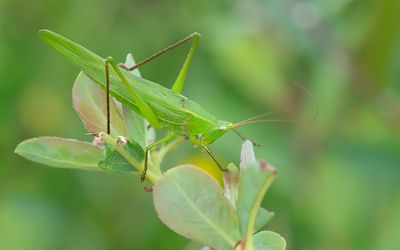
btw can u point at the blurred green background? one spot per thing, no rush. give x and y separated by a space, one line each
339 177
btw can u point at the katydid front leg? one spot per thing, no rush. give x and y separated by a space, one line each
108 98
197 142
207 149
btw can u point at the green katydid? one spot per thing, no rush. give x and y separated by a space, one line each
164 108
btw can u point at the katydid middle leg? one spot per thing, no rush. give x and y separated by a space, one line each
195 141
150 147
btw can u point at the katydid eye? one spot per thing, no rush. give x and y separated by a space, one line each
222 127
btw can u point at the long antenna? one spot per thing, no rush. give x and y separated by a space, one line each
316 111
235 125
258 116
252 121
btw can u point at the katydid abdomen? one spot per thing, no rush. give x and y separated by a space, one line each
175 112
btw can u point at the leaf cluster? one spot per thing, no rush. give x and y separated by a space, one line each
187 199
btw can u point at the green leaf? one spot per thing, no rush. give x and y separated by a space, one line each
262 218
61 153
89 101
191 202
113 161
267 240
254 181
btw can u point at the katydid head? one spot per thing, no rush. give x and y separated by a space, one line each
215 132
221 127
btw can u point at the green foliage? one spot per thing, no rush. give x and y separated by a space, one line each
61 153
104 153
266 240
192 203
113 161
254 181
187 199
263 216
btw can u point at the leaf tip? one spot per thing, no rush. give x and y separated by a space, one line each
247 156
268 167
129 61
44 34
19 150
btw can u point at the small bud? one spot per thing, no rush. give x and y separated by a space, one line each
231 184
98 140
122 140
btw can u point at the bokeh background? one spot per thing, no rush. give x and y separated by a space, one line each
339 177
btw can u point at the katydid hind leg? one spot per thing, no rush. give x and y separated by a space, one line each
179 82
